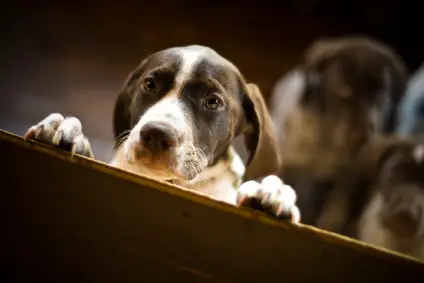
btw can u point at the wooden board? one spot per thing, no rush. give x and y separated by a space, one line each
70 219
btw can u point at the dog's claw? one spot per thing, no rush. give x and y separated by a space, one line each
38 131
29 134
271 196
57 137
81 146
65 133
33 132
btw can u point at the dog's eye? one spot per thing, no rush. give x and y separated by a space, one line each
213 102
149 85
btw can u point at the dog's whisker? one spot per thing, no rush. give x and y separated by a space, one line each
197 153
119 144
122 138
195 168
199 156
124 133
189 168
192 170
119 141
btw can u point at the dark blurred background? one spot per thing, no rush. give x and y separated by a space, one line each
72 57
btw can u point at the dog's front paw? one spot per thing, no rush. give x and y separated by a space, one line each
65 133
271 196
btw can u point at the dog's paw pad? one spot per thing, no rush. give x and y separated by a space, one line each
65 133
272 196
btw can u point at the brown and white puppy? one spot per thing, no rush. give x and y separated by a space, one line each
380 199
343 91
175 120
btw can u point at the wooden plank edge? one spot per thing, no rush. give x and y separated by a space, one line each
143 180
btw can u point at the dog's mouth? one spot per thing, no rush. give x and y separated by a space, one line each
194 162
182 163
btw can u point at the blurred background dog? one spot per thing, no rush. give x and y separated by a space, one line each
343 92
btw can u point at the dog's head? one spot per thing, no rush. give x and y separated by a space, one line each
181 108
400 183
354 79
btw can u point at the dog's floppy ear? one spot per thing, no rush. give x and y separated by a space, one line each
259 136
121 113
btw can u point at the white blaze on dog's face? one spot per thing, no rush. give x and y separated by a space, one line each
184 109
170 152
401 187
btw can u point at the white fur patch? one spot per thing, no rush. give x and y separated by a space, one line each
285 97
418 153
189 58
222 180
237 166
276 193
274 183
170 111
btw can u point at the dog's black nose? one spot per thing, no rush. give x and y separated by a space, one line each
157 137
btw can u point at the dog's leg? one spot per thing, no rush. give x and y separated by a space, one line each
65 133
271 196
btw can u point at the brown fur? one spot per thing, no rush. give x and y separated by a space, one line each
343 91
262 139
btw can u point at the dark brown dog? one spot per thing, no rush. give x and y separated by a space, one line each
175 120
343 91
380 198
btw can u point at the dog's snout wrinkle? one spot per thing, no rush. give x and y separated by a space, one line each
157 137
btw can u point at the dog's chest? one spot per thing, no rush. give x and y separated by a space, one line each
221 188
222 180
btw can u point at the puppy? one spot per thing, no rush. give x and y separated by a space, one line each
175 120
380 199
343 91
